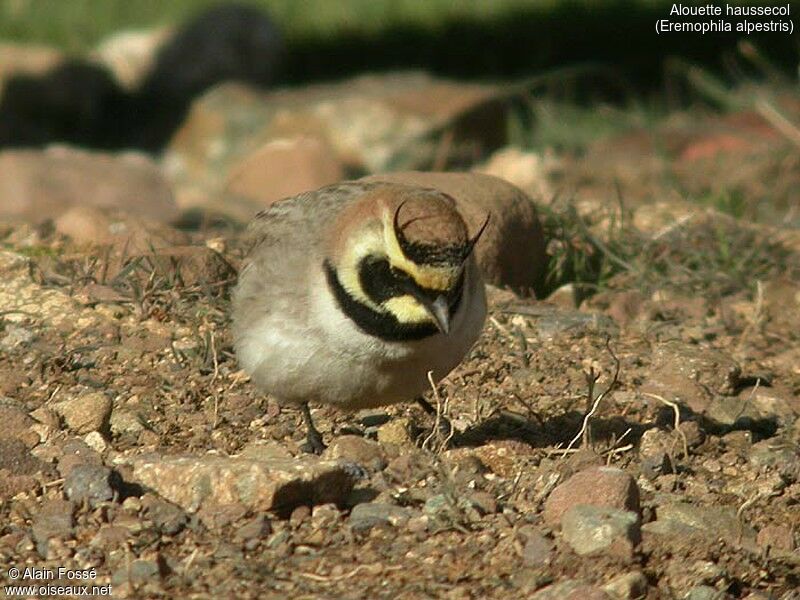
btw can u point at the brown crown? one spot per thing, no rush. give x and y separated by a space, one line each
431 232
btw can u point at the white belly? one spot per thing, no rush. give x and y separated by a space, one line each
329 360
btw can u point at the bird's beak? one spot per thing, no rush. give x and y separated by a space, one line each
440 311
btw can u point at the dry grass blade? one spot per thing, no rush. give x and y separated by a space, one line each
676 423
775 118
596 403
434 441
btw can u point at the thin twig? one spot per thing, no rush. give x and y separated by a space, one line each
214 357
348 575
676 425
442 410
616 448
596 403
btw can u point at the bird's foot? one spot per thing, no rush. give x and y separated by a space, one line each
313 443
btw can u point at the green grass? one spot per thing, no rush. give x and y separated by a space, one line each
77 25
709 257
564 125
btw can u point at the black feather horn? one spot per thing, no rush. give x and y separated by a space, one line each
474 240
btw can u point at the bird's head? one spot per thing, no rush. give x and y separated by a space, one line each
401 253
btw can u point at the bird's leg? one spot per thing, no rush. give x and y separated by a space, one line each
313 443
444 425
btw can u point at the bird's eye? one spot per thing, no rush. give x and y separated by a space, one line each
400 276
378 279
381 281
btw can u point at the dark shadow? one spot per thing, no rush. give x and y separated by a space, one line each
230 42
80 104
555 431
760 429
125 489
531 39
330 487
75 102
561 429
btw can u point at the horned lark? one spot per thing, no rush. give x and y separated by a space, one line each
352 293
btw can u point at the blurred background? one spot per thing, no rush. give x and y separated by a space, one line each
230 106
653 253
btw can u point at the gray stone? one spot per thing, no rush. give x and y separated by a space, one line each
705 592
732 411
15 337
655 450
76 452
537 550
691 374
674 529
53 521
437 504
192 482
592 529
167 517
774 453
717 522
138 572
256 528
93 484
774 403
124 421
368 515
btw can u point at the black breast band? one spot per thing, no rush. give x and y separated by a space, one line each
378 324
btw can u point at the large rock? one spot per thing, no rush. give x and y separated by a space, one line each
194 482
372 123
41 184
713 522
283 168
528 171
129 234
511 251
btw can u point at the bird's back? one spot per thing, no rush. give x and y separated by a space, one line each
274 276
